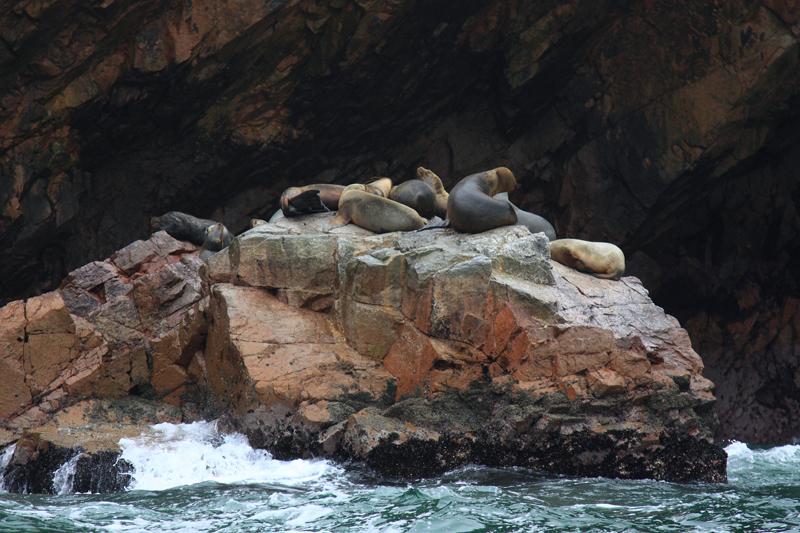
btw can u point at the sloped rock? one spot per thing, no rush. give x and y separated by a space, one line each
133 324
442 348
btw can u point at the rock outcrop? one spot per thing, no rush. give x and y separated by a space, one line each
417 352
125 330
669 127
413 352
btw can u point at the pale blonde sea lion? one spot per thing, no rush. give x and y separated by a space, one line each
471 208
379 187
601 259
374 212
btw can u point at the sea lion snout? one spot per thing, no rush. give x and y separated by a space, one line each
506 181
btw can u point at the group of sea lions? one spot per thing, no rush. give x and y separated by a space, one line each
477 203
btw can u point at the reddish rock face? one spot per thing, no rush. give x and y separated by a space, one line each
132 324
441 348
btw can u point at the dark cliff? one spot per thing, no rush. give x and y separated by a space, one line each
669 128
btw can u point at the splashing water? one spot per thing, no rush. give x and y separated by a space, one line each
64 477
189 477
5 458
184 454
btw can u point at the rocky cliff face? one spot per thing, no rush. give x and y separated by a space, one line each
413 352
667 127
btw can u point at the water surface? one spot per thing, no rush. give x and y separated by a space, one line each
190 478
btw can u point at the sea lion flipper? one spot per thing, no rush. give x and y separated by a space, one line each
337 221
308 201
435 223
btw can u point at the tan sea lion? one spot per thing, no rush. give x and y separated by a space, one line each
314 198
471 208
601 259
379 187
186 227
417 195
435 183
532 221
374 212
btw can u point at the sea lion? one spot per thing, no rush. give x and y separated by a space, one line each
417 195
186 227
379 187
532 221
435 183
374 212
314 198
217 237
601 259
471 208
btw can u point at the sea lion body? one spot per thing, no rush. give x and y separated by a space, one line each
380 187
417 195
314 198
374 212
471 207
186 227
532 221
601 259
435 183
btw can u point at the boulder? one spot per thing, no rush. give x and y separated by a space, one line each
441 348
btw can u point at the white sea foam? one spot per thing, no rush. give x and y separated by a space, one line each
65 475
739 452
171 455
5 458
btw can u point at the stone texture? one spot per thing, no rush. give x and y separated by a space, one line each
132 324
442 348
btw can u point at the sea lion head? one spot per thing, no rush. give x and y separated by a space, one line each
506 182
217 237
380 187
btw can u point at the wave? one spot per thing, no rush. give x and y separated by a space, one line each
5 458
173 455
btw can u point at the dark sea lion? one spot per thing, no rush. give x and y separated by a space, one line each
417 195
532 221
601 259
314 198
435 183
471 208
217 237
374 212
186 227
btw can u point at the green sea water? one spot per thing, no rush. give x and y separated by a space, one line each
189 478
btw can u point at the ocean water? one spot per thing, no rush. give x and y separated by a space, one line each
191 478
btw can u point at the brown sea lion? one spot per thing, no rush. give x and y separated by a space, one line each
417 195
601 259
471 208
435 183
532 221
314 198
374 212
186 227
